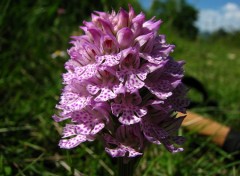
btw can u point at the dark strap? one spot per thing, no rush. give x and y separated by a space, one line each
232 142
193 83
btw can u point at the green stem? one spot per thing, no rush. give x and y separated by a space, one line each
126 167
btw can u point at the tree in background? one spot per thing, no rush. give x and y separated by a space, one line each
179 14
230 38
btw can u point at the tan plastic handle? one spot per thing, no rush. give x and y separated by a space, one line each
206 126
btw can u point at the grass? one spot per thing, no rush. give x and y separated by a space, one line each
30 85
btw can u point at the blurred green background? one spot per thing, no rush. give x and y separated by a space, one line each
34 37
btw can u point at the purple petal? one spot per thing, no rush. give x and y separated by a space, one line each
106 94
153 133
116 109
125 37
128 118
145 42
121 75
119 88
122 151
56 118
161 89
134 77
73 142
75 105
108 60
68 97
97 128
151 58
137 23
133 83
92 89
118 152
95 35
130 59
82 116
108 44
110 140
83 129
141 112
173 124
152 25
122 19
131 12
170 147
130 114
131 152
80 73
174 67
106 26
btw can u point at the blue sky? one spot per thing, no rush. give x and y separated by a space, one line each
211 4
213 14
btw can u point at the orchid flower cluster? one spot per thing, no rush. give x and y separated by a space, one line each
121 86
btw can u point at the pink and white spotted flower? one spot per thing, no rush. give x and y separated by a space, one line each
122 86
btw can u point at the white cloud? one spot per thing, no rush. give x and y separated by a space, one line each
227 18
230 7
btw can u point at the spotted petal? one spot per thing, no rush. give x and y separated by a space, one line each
80 73
118 152
129 118
129 114
133 79
108 60
71 129
73 142
122 151
75 105
105 94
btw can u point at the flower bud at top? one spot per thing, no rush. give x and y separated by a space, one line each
124 37
123 19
